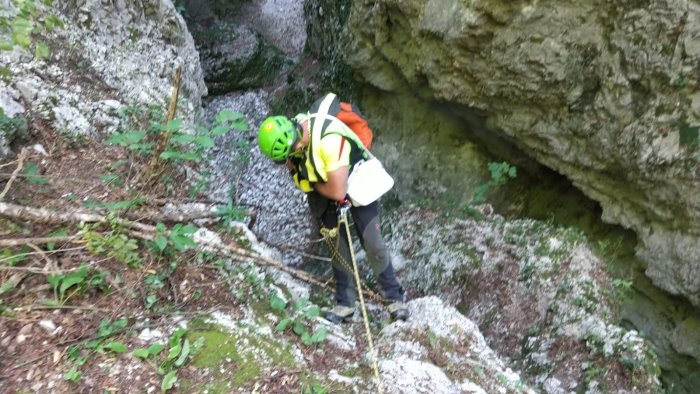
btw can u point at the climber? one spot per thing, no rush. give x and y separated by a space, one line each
319 158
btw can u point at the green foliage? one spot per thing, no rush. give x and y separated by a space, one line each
115 205
11 257
182 146
116 245
180 237
230 213
623 288
77 281
15 128
151 351
180 352
20 28
299 320
500 172
315 389
82 352
31 174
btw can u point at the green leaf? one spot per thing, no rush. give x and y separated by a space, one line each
300 304
319 335
173 125
183 139
282 325
305 338
169 381
155 349
169 154
31 174
203 141
68 282
161 242
141 353
73 374
183 355
191 156
189 229
52 21
299 328
150 300
227 116
179 333
21 31
174 352
312 312
42 51
57 233
116 347
219 130
277 303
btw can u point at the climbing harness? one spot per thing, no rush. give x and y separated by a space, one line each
343 220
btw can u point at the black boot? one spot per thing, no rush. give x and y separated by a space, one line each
398 311
339 314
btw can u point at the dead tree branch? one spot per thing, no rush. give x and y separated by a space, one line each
20 164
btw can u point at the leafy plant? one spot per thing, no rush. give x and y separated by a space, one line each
77 281
81 352
299 320
11 258
18 29
182 146
500 172
14 128
31 173
230 213
116 245
180 351
180 237
623 288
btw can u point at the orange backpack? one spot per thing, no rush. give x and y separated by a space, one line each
356 122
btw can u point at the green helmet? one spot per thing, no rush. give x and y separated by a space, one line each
276 137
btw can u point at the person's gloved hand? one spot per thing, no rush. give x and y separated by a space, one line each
301 183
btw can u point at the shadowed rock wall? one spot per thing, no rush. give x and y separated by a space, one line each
602 92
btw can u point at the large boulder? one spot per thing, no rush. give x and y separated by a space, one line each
106 56
601 92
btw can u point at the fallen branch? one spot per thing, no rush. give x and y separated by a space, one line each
12 242
147 232
42 215
172 216
22 156
35 253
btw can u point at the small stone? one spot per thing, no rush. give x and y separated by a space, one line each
26 329
38 148
6 341
36 387
150 389
48 326
20 339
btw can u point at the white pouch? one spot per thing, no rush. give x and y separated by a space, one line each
368 181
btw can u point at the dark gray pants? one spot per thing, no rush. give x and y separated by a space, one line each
368 229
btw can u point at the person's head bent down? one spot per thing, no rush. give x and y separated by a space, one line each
277 137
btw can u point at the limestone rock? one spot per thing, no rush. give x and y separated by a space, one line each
598 91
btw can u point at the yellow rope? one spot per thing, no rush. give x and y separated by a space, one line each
344 219
328 234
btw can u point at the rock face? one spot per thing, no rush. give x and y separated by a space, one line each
534 290
602 92
105 57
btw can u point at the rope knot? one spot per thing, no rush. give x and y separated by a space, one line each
329 232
